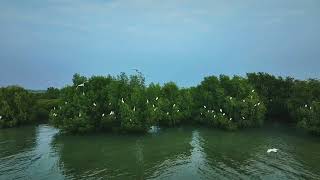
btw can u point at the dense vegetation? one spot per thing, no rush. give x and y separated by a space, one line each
126 104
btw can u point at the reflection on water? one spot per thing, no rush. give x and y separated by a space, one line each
182 153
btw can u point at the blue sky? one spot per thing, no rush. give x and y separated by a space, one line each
44 42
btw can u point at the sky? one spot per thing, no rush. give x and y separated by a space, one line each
44 42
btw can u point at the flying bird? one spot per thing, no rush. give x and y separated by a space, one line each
273 150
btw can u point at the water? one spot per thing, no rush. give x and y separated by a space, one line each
180 153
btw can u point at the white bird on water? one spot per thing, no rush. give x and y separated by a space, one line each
273 150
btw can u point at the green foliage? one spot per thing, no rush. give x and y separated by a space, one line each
309 117
229 103
16 106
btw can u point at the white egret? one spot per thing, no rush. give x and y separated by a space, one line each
83 94
306 105
60 107
212 111
157 98
230 98
167 113
134 108
154 109
147 101
243 118
220 110
94 104
174 105
252 90
310 107
54 108
214 116
66 102
79 114
258 104
208 111
201 114
54 114
102 115
230 119
251 97
243 100
153 105
223 114
111 113
122 100
130 120
80 85
109 104
255 105
178 110
272 150
205 107
0 117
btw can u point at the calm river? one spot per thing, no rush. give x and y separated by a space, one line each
39 152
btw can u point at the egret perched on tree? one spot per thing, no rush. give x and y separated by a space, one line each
252 90
223 114
201 114
230 98
94 104
111 113
212 111
80 85
60 107
174 105
208 111
154 109
230 119
178 110
122 100
130 120
66 102
258 104
243 118
79 114
153 105
83 94
306 105
147 101
0 117
109 104
157 98
310 107
54 114
220 110
54 108
214 116
272 150
102 115
244 100
167 113
205 107
134 108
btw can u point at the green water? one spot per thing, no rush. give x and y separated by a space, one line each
181 153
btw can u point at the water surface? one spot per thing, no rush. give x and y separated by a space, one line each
39 152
